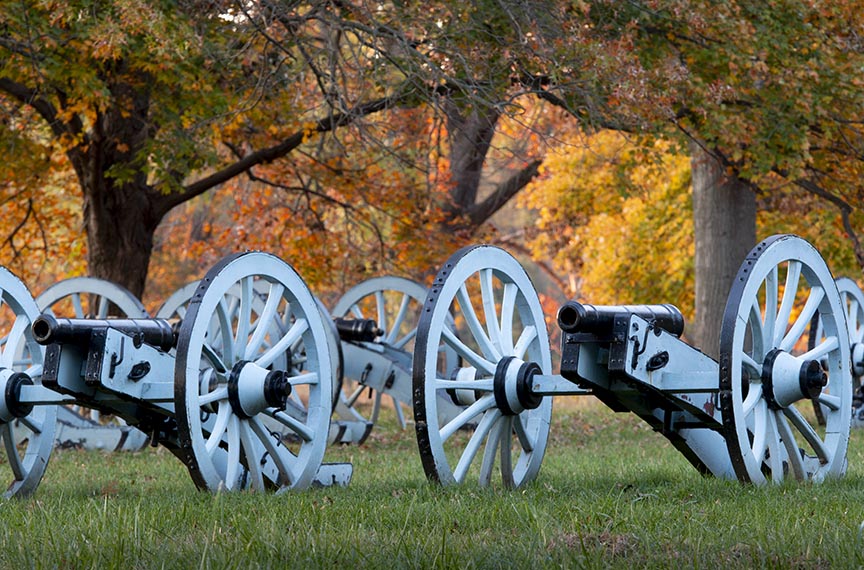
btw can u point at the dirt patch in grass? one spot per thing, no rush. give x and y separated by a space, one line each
611 544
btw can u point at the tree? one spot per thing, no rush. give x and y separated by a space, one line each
616 214
616 217
155 103
771 91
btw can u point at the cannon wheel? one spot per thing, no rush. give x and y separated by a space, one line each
90 297
853 302
511 335
779 287
227 448
27 441
174 309
394 303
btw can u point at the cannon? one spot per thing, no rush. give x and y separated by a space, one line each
740 417
202 390
378 362
83 297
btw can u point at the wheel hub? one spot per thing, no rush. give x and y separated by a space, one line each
787 379
11 407
512 386
858 359
252 389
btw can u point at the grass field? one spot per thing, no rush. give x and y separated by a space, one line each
610 493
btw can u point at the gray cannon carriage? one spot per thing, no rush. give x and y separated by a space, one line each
206 390
743 417
378 363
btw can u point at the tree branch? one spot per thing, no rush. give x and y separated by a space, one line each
48 112
266 155
845 212
519 247
484 210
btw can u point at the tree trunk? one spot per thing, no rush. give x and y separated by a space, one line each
120 228
120 216
470 135
724 223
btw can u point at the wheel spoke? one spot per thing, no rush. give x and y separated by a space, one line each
281 455
467 308
220 393
376 408
15 464
215 359
485 385
775 457
754 396
472 357
524 439
466 416
405 339
265 320
757 332
305 433
304 379
355 310
760 429
816 295
30 423
223 332
244 317
77 307
102 308
853 315
809 434
293 334
790 290
11 346
399 320
219 427
35 371
400 416
232 473
821 349
350 400
508 308
830 401
771 284
792 451
751 365
487 293
251 453
380 303
507 453
491 449
529 334
474 443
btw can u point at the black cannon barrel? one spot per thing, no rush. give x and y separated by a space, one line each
357 330
48 329
598 319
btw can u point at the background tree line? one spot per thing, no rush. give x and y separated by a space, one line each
146 138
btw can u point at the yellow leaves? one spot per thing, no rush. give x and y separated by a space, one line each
310 129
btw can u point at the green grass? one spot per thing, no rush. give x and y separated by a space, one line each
611 492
